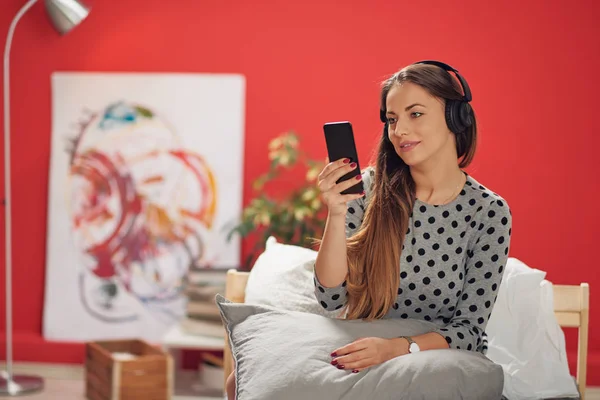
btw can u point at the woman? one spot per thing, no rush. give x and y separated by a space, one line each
425 240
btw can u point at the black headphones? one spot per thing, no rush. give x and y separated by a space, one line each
459 114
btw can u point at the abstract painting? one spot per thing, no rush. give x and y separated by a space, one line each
145 179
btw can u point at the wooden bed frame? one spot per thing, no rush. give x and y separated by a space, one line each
571 307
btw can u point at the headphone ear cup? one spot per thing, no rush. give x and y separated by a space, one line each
451 114
459 115
466 114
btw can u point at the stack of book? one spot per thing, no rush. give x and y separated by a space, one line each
202 314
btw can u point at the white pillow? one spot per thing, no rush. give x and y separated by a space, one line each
282 277
525 338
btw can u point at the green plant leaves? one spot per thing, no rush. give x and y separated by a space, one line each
296 218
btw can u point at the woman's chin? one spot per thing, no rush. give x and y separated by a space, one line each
409 159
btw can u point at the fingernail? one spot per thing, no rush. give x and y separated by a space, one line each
334 362
353 165
334 354
358 177
346 160
355 371
340 367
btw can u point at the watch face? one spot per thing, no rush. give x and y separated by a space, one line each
414 348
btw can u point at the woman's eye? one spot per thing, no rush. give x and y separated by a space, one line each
391 120
414 115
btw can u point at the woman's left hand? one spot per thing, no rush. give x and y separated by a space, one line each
364 353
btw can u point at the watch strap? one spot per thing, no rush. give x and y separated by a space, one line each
410 342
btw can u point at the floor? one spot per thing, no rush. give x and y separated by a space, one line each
66 382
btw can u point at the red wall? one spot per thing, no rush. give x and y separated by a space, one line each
533 68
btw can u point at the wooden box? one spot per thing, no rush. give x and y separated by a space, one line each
127 370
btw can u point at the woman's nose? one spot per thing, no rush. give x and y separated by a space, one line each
398 130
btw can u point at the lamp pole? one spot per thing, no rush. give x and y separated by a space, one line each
11 385
64 14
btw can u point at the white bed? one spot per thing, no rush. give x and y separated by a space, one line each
571 307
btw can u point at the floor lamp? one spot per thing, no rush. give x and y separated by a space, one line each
64 15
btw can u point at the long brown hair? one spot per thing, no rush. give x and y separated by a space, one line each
374 251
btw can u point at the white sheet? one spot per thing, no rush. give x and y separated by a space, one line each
525 338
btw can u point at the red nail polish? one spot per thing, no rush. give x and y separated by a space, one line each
346 160
353 165
334 362
334 354
355 371
358 177
340 367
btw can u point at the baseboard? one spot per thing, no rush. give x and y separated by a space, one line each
31 347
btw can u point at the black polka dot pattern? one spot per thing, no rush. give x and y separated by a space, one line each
451 265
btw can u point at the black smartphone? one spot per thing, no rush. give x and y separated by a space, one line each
339 138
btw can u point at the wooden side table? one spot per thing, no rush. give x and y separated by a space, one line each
177 340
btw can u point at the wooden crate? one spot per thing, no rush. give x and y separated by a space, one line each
148 376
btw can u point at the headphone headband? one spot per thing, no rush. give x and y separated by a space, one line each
465 87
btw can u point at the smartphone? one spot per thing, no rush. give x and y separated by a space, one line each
339 138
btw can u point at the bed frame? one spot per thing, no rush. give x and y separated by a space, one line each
571 307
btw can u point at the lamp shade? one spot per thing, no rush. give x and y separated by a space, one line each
66 14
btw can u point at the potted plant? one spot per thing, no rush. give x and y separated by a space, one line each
293 218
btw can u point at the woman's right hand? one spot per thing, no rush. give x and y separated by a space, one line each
331 191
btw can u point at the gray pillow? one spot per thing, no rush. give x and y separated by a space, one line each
283 354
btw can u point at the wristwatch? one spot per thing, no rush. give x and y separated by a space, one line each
413 347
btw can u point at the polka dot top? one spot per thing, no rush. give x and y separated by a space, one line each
451 265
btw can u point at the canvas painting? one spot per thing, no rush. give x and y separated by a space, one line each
145 181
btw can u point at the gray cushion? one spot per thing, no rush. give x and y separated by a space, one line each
286 355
